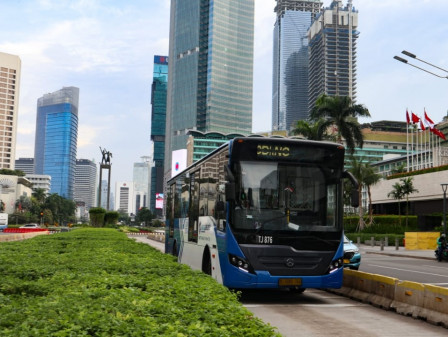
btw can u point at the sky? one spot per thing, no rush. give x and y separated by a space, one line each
106 48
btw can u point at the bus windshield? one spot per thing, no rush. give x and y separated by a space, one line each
285 197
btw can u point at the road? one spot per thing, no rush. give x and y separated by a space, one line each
406 269
317 313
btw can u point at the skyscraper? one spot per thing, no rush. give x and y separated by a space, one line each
141 178
56 139
85 182
10 66
211 69
158 121
332 40
290 61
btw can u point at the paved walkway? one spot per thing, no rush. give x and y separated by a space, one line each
402 251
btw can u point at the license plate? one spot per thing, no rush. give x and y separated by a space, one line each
346 261
290 282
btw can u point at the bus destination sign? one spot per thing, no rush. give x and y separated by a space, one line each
272 151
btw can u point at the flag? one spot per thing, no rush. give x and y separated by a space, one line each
415 118
428 121
407 117
422 126
438 133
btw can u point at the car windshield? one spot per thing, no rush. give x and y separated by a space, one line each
285 197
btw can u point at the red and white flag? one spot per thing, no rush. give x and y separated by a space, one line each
415 118
408 120
422 126
428 121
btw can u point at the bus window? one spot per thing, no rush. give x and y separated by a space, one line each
194 207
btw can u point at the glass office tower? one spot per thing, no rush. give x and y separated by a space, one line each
56 139
211 69
290 61
158 121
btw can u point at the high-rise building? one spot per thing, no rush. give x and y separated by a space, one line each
26 165
56 139
104 196
290 61
332 41
10 66
85 183
211 70
123 197
141 177
158 121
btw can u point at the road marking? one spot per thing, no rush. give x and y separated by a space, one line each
307 305
428 265
412 271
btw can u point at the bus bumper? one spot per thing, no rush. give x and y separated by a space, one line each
263 279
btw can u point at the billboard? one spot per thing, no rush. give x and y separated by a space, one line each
159 200
178 161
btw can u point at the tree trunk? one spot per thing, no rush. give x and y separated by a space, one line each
361 220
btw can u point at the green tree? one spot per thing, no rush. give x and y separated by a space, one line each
39 194
371 177
144 215
339 111
23 204
357 168
397 194
407 187
62 209
311 130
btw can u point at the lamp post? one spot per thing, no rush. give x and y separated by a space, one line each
416 58
444 187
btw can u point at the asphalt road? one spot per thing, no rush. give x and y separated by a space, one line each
316 313
406 269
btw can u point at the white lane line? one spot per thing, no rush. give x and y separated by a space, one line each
307 305
411 271
428 265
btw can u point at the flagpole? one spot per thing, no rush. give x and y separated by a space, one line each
407 140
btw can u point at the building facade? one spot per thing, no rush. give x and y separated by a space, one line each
10 67
56 139
158 121
104 196
124 202
42 181
142 178
332 41
290 61
85 183
211 70
26 165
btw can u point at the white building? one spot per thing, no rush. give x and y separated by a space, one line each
11 189
85 183
10 66
124 190
42 181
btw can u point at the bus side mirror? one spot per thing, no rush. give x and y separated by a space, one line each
355 193
230 191
355 198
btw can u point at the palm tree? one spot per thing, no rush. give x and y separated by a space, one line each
397 194
371 178
358 169
340 111
311 130
39 194
407 188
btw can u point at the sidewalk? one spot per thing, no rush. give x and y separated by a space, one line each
427 254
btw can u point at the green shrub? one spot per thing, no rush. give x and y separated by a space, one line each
382 224
97 282
97 215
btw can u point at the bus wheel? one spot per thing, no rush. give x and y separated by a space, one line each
207 262
175 250
297 290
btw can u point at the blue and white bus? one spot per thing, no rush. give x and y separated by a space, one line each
262 213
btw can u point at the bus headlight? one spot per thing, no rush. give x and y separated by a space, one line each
240 263
335 265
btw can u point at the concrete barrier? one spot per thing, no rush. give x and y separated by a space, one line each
435 305
157 237
21 236
414 299
408 298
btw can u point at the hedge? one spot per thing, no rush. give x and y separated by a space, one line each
382 224
97 282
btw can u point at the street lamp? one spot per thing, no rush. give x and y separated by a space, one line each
416 58
444 187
